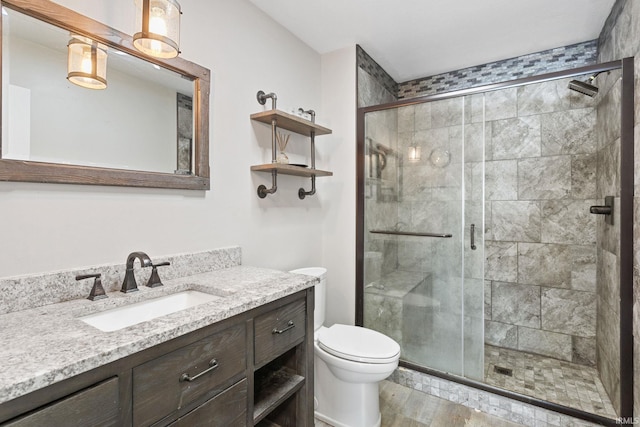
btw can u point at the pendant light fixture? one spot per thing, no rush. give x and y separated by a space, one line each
159 23
87 63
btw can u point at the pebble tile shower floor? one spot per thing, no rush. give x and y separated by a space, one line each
548 379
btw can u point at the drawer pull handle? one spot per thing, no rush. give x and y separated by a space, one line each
213 364
290 325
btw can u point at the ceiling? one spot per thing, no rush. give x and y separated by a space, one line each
419 38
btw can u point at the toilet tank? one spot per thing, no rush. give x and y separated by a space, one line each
320 292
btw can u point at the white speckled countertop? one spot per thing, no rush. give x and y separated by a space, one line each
43 345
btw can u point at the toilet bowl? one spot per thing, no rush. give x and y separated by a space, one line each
350 361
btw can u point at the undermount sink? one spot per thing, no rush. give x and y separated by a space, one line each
132 314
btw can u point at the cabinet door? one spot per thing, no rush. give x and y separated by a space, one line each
95 406
159 387
279 330
228 409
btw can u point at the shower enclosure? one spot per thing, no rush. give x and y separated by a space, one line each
477 247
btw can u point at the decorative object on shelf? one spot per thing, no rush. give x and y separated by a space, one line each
87 63
440 157
159 24
294 123
283 140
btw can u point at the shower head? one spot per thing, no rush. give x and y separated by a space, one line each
585 88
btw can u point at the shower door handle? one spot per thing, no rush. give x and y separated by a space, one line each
472 233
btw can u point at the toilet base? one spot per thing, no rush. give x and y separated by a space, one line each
335 423
345 404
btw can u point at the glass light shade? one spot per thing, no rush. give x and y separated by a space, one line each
414 153
87 64
159 23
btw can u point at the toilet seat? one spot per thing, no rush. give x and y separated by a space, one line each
358 344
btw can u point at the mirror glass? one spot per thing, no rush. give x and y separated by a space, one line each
142 121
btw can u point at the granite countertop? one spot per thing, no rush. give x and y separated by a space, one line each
44 345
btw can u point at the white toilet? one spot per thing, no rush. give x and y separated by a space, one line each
350 361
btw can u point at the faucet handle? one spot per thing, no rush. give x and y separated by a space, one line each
154 280
97 291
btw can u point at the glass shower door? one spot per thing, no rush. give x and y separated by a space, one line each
423 259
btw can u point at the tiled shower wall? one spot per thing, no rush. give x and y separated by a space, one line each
381 193
540 287
547 159
430 202
540 290
381 167
619 39
531 210
608 236
375 85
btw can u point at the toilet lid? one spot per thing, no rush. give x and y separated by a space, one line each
358 344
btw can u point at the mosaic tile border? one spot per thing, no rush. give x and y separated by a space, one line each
547 61
369 65
484 401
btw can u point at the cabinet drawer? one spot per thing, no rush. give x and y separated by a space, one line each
278 330
94 406
159 386
228 409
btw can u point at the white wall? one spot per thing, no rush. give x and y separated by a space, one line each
339 227
49 227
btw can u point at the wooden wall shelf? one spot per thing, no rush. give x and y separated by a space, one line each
290 122
279 119
290 170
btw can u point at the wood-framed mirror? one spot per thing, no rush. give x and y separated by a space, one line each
148 128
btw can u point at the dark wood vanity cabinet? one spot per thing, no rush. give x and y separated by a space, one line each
228 409
281 365
255 368
199 370
97 405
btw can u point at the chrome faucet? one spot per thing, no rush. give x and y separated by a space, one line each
129 284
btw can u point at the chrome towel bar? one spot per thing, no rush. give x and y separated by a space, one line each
410 233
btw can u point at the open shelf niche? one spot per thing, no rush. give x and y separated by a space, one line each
276 384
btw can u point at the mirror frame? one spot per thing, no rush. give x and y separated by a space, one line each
43 172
